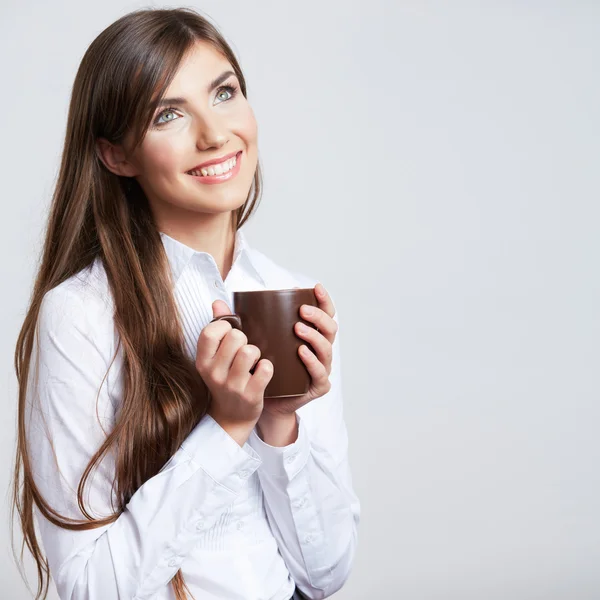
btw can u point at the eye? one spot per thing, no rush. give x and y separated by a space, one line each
231 89
166 111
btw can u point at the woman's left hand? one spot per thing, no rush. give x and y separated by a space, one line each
319 365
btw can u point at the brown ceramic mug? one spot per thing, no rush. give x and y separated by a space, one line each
267 317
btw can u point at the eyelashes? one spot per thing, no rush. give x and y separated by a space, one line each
232 89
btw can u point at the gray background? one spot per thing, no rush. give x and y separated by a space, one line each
435 165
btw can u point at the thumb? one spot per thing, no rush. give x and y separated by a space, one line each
220 308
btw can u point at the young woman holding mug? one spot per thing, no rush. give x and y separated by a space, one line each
141 483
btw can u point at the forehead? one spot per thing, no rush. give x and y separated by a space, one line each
199 66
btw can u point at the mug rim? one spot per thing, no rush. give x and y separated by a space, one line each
288 290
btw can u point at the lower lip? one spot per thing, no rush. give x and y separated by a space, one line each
210 179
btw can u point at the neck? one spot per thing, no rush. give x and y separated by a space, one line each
216 236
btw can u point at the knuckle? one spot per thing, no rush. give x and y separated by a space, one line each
247 351
255 350
213 332
238 336
207 335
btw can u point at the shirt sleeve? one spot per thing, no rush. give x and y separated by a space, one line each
140 552
310 502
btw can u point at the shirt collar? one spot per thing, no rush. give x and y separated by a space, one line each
179 254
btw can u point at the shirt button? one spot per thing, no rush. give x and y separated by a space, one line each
200 524
218 284
301 503
290 459
308 539
240 525
174 562
244 474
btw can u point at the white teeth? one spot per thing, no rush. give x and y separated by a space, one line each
218 169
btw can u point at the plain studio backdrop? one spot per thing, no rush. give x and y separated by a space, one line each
435 165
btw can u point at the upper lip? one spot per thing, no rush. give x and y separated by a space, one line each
214 161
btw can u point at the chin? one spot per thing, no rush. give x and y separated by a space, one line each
215 207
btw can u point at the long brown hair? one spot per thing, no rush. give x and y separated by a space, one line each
94 213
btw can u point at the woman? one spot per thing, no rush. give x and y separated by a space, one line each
140 485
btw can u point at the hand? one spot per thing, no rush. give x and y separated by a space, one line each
319 366
224 359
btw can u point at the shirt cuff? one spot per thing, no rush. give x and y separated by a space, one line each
283 461
212 449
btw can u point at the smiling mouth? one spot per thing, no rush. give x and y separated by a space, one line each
218 169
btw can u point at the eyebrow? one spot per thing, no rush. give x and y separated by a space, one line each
211 86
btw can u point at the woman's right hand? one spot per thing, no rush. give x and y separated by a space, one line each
224 359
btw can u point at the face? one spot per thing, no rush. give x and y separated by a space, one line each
201 125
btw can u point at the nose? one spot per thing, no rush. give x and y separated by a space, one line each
210 132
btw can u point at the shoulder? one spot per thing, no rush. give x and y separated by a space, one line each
81 304
278 276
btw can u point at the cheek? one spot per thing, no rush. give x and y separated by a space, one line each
163 157
247 127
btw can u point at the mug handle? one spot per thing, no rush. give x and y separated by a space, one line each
233 320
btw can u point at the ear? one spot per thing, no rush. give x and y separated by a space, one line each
113 157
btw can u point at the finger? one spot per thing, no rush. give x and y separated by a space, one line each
220 308
260 379
317 371
325 324
320 344
324 299
226 353
246 357
210 340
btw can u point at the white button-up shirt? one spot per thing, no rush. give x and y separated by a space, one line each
240 522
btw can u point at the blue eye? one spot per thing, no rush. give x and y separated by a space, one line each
168 110
231 89
228 88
